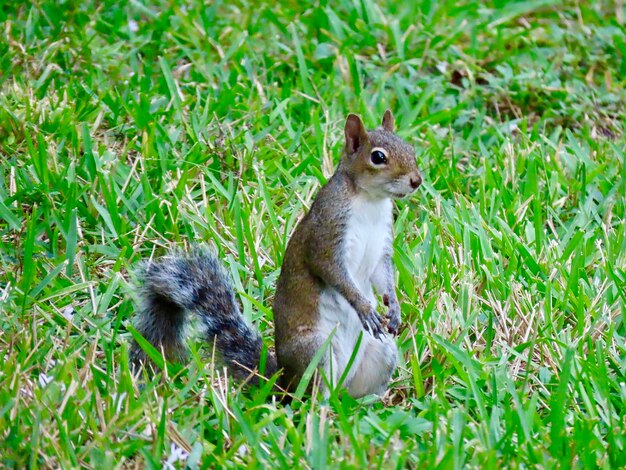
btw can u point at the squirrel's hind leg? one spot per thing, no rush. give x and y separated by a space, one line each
295 356
372 368
373 372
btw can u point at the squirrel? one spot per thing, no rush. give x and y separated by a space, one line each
338 255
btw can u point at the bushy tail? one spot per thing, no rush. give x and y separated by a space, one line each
196 283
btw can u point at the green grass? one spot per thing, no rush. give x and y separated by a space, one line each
127 129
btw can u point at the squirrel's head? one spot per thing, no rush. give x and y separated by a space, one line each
379 161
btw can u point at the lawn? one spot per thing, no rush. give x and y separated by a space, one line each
131 128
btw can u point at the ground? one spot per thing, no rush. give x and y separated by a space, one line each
129 128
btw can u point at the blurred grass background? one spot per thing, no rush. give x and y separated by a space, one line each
128 128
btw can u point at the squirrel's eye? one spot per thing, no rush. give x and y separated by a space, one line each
378 157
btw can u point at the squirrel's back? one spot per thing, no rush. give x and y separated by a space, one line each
298 290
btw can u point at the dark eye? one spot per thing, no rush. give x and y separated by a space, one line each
378 158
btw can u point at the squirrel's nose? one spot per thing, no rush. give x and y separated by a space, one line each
415 181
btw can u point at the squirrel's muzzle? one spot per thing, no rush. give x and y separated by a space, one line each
415 180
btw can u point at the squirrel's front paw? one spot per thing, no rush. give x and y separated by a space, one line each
371 322
394 319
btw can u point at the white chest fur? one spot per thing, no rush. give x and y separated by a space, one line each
368 235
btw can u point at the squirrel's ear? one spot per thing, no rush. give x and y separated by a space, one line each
356 135
388 121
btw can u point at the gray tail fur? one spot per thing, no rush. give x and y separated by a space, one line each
196 284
